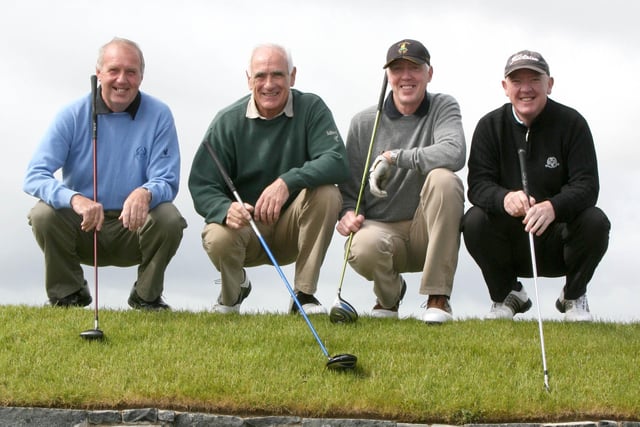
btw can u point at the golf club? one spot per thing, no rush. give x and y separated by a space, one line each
342 311
525 187
339 361
95 333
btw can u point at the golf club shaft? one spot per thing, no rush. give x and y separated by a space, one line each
525 187
94 138
232 187
364 176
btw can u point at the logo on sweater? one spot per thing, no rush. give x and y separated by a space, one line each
334 134
141 153
552 163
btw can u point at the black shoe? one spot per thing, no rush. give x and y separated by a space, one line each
138 303
309 303
81 298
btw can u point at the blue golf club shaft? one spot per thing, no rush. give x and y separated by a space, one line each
232 187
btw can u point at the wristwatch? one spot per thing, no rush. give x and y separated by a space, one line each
393 154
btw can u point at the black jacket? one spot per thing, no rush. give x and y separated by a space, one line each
561 160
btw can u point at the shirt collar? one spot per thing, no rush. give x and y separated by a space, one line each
253 113
132 109
392 112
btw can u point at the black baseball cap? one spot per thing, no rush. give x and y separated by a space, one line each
411 50
526 59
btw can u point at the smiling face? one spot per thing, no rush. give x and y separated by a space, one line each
527 90
120 75
408 81
269 80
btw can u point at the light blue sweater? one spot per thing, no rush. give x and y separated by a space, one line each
132 152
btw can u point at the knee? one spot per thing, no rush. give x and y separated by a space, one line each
445 184
43 218
474 220
167 219
593 222
326 196
218 240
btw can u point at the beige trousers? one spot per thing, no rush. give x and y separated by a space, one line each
301 235
429 242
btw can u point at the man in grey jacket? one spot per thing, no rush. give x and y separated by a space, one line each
409 218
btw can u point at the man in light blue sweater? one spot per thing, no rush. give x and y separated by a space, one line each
409 217
138 164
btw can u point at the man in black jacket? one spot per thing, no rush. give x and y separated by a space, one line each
571 234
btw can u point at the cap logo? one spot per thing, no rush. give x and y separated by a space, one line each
403 49
523 57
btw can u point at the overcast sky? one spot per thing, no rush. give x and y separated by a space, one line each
196 54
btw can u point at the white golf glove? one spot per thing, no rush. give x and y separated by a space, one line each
378 176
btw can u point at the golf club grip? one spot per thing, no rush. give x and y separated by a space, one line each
523 170
222 171
383 91
94 97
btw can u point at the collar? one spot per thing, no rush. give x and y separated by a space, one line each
253 113
392 112
132 109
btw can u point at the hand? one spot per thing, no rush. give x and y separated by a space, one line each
515 203
135 209
91 212
238 216
349 223
271 201
379 175
539 217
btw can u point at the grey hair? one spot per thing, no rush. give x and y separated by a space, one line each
284 50
120 40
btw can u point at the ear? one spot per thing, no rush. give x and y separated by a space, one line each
504 86
549 85
429 74
292 77
249 82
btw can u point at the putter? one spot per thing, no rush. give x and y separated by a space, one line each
337 362
95 333
525 187
342 311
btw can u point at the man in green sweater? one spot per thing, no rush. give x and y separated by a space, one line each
409 217
282 149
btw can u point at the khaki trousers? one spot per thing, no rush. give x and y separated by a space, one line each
301 235
429 242
66 247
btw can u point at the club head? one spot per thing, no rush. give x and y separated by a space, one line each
92 334
342 362
342 312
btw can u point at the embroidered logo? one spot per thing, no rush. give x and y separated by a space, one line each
552 163
403 49
334 134
141 153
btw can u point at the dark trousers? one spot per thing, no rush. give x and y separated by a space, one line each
500 247
66 247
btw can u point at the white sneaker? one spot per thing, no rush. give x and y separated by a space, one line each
379 312
438 310
245 290
516 302
309 303
384 313
575 310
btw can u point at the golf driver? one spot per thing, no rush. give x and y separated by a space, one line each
342 311
95 333
525 187
339 361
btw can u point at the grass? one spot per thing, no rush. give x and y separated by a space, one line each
270 364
